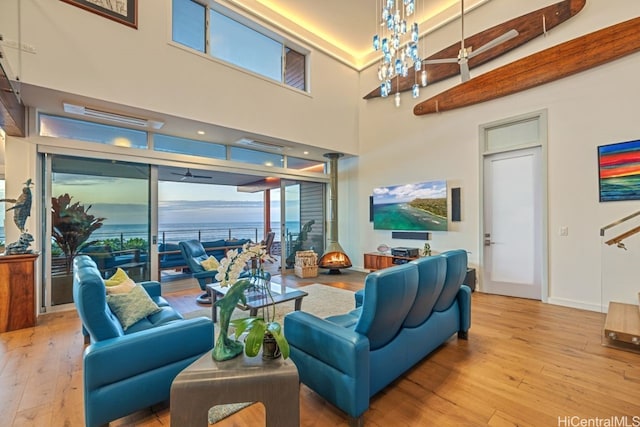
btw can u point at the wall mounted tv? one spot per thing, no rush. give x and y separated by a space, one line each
619 171
420 206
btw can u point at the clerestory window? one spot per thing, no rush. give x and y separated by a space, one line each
231 38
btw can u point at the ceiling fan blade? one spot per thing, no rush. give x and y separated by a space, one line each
176 173
464 70
441 61
493 43
201 176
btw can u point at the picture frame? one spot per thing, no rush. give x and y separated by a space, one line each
122 11
619 171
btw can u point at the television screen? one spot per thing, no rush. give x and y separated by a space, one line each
619 171
420 206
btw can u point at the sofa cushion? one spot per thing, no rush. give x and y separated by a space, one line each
236 242
123 288
456 272
133 306
210 263
215 248
118 277
389 295
431 275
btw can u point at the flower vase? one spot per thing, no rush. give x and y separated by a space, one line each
226 348
270 348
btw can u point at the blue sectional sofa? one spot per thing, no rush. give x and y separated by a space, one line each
128 370
403 314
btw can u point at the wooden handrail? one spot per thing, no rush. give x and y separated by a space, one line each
623 236
618 222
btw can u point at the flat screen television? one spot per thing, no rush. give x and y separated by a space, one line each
421 206
619 171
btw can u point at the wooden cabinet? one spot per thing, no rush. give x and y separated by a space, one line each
17 292
378 260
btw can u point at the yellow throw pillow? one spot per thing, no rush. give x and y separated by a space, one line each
133 306
210 263
119 277
122 288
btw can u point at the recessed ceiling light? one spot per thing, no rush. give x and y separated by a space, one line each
268 163
305 152
200 132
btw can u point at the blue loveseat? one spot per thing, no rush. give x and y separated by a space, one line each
404 313
125 371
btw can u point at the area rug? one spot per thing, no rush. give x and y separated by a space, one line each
322 301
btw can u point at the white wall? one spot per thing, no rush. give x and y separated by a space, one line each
593 108
83 53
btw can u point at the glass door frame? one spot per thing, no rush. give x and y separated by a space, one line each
46 159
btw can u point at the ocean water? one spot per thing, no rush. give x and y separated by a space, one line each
173 233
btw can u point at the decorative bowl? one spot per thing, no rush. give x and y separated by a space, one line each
383 248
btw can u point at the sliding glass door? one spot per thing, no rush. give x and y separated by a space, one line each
99 208
303 218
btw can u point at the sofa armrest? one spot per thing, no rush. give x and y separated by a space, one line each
464 304
115 359
341 348
359 296
153 288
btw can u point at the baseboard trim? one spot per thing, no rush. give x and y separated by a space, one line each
575 304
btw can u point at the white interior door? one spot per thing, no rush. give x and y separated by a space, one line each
513 232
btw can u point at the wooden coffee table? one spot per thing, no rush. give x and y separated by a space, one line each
257 299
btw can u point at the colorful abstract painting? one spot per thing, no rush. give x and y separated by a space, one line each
619 171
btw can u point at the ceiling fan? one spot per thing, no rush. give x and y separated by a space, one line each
467 53
188 174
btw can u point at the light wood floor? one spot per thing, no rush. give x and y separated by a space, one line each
525 364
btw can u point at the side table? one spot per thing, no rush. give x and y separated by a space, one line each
206 383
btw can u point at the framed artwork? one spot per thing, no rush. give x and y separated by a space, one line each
619 171
123 11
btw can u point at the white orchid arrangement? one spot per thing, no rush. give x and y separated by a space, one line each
236 262
230 273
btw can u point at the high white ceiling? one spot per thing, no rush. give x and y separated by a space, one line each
342 28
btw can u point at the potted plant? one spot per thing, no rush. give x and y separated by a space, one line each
261 331
71 227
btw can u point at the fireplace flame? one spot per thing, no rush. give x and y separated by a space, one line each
334 260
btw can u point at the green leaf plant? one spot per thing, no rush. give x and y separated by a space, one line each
256 328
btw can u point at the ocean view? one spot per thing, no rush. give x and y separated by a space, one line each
175 232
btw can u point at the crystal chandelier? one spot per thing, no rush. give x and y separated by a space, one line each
398 43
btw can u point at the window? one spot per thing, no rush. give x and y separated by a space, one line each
246 155
305 164
295 69
240 45
189 23
64 127
229 39
173 144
